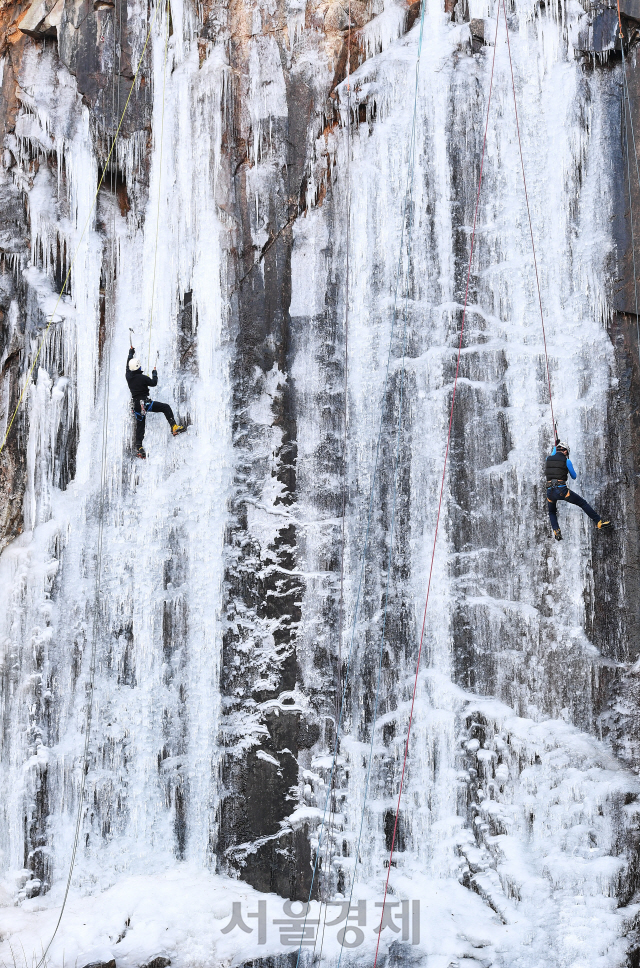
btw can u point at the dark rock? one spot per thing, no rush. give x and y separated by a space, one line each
622 272
477 29
308 735
288 960
13 253
87 46
268 599
630 8
160 961
414 12
605 30
32 888
101 964
42 18
600 34
461 12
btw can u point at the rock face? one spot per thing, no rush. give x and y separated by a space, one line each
42 19
251 597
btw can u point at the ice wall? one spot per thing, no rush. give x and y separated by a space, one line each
209 580
160 570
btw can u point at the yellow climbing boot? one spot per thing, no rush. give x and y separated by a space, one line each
179 429
604 525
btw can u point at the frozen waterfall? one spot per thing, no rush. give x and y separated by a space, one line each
208 577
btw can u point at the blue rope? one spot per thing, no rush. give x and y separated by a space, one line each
372 492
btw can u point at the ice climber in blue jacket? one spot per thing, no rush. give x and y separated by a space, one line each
557 468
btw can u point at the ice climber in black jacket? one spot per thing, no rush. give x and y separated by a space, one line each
558 468
139 385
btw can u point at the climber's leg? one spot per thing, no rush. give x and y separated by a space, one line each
580 502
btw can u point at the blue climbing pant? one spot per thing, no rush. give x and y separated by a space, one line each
562 493
150 406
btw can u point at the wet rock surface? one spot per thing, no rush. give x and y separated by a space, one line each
221 670
95 42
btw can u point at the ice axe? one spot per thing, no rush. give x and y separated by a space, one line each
131 337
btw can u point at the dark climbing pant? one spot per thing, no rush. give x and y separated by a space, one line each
563 493
152 407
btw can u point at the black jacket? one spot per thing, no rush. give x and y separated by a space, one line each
139 383
556 466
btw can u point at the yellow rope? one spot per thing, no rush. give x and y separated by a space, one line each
155 255
93 205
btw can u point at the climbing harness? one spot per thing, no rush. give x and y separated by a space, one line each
145 408
82 234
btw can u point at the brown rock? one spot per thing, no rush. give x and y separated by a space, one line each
477 29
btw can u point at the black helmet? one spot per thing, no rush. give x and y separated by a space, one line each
562 446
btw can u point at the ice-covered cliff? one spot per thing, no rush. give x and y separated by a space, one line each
221 595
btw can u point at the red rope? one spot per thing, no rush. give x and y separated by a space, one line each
346 370
444 471
526 195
